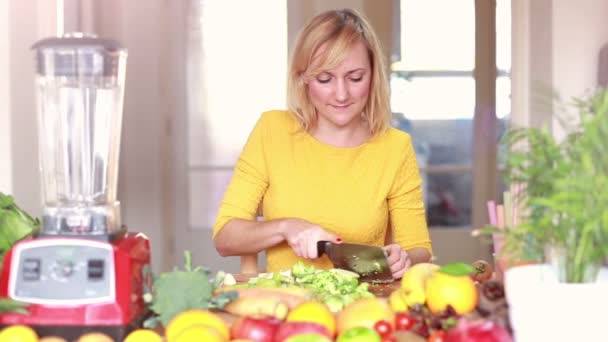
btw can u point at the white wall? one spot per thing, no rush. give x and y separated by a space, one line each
6 181
579 31
555 46
24 23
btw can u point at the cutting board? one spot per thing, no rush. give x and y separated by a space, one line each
379 290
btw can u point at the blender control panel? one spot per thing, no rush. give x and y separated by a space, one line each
76 271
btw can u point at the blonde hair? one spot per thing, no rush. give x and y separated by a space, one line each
340 29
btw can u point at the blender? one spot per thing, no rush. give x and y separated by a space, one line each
83 271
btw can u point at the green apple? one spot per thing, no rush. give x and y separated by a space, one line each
359 334
308 337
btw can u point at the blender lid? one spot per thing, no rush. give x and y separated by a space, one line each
78 53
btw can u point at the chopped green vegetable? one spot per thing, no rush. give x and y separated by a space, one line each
177 291
336 288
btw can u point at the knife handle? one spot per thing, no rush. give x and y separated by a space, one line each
323 247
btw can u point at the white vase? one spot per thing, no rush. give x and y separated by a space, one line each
543 309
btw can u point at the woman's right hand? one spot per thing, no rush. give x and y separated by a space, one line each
302 236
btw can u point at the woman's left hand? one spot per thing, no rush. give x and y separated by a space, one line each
397 259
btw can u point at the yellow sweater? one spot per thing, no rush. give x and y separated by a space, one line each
351 192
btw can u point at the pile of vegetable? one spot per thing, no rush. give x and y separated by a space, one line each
335 287
15 225
180 290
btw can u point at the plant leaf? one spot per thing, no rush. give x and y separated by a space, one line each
457 269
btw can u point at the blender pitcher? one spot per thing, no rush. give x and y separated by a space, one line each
80 86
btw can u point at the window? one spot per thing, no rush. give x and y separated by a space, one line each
434 98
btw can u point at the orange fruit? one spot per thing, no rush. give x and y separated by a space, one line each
458 291
95 337
18 333
143 335
198 333
196 317
315 312
364 312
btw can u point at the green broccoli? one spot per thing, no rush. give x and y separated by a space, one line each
177 291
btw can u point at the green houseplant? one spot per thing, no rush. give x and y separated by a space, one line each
564 197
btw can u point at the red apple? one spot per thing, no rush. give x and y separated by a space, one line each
289 329
255 329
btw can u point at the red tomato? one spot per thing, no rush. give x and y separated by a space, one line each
403 321
437 336
391 338
483 270
383 328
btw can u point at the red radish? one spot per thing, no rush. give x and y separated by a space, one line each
383 328
404 321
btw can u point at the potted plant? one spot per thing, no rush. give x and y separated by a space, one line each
565 216
563 221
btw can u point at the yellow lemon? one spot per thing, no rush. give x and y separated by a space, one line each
315 312
143 335
413 282
199 333
95 337
364 312
458 291
18 333
196 317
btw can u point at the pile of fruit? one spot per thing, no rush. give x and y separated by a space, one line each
443 303
22 333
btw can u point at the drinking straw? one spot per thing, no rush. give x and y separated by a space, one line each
500 216
492 212
508 209
497 238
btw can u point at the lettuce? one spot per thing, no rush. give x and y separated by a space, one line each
15 224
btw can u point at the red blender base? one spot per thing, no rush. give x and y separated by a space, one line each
77 285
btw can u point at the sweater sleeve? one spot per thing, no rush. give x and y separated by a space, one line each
249 181
406 206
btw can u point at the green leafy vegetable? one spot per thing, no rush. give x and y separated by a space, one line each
9 305
181 290
15 224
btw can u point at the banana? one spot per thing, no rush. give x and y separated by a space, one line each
397 301
291 296
413 282
258 306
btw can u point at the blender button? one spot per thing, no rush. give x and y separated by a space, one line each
95 269
31 269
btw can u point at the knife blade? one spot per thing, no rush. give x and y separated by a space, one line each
367 261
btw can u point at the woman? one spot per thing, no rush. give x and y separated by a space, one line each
330 168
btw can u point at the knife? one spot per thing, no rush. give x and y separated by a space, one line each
367 261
